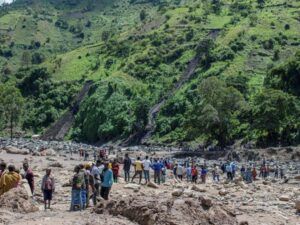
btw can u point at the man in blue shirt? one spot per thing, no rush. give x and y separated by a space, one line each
107 181
157 167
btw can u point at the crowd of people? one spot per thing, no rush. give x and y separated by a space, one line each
95 179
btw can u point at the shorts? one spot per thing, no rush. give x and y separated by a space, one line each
48 194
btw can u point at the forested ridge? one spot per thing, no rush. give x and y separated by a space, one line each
244 86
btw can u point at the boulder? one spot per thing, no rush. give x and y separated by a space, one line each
56 164
297 205
238 179
284 198
14 150
206 202
197 188
266 182
146 210
132 186
223 192
48 152
17 200
177 192
152 185
242 185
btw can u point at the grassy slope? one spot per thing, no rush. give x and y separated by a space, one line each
68 58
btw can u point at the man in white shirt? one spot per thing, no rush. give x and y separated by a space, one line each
180 172
146 166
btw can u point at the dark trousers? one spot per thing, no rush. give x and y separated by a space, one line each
157 177
229 176
105 192
96 193
127 175
194 179
140 173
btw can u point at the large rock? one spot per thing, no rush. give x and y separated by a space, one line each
206 202
14 150
284 198
56 164
132 186
223 192
146 210
197 188
48 152
297 205
152 185
242 185
17 200
177 192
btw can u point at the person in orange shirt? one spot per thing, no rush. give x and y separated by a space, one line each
9 180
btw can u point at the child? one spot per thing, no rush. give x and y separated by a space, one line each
48 188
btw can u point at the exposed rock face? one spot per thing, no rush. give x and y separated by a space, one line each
17 200
167 211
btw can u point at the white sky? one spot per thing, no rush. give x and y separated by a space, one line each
5 1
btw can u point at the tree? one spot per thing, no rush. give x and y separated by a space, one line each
275 116
260 3
286 77
11 104
143 15
216 6
213 113
26 58
203 51
105 36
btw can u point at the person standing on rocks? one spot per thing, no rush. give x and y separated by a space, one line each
85 187
216 173
77 185
194 174
48 187
276 172
9 180
146 167
29 176
203 174
189 173
107 182
229 171
126 168
138 165
281 172
97 180
180 172
254 173
243 172
157 167
115 169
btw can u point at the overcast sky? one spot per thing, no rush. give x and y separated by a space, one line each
6 1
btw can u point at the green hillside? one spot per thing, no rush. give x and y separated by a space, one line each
138 53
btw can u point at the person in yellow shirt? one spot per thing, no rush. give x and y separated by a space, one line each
9 180
138 165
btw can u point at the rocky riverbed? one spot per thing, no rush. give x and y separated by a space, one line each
264 202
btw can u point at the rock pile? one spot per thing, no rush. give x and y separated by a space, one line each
17 200
162 210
